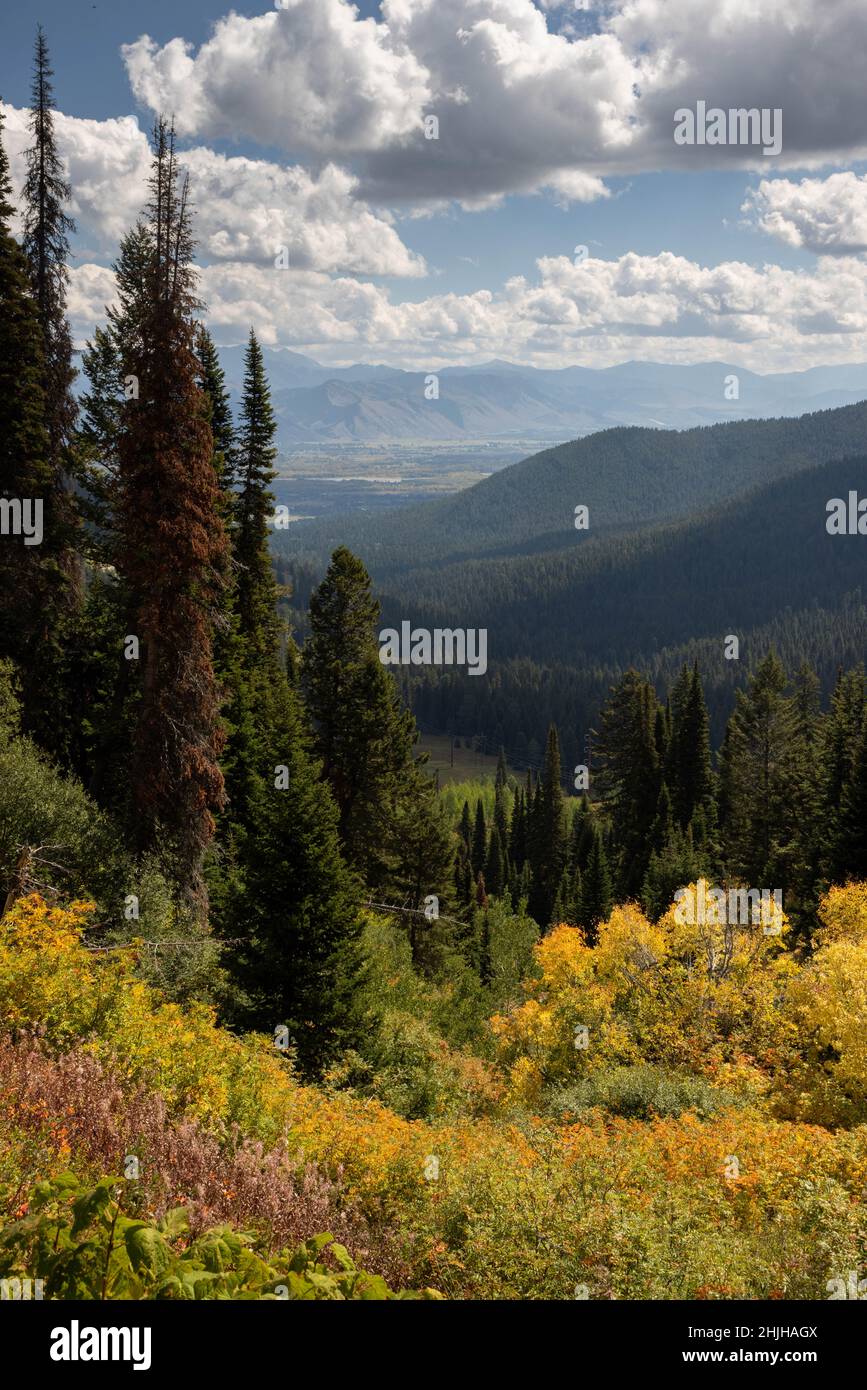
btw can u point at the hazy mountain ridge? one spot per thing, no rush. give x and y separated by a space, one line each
365 403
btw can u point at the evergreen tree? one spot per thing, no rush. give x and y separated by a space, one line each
840 739
549 837
756 779
47 228
363 736
481 893
173 549
688 765
581 838
629 774
851 839
674 864
502 777
597 897
465 829
423 850
30 578
256 585
663 825
479 847
495 873
98 440
463 876
518 833
107 684
296 912
802 854
252 682
501 815
212 384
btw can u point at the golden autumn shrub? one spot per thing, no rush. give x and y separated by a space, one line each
713 1204
51 981
823 1071
699 995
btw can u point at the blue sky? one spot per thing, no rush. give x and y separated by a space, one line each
303 123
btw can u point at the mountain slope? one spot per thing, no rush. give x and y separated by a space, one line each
627 478
621 598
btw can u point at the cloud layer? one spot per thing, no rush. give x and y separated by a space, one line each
521 105
596 312
246 209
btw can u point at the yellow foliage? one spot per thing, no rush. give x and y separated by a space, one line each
634 1209
843 913
689 994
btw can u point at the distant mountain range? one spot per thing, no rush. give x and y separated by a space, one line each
366 404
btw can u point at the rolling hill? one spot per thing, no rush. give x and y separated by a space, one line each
628 478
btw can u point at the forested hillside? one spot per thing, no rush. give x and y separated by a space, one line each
564 624
626 477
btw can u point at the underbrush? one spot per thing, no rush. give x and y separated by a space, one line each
645 1182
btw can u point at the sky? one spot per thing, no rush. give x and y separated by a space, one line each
554 218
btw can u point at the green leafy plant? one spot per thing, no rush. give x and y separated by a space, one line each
82 1244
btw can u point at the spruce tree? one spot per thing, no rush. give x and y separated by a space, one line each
422 852
802 855
688 764
173 549
481 892
362 734
518 833
256 586
295 910
756 773
212 384
629 775
502 776
108 684
597 896
581 839
840 740
851 838
47 228
463 876
501 816
479 847
495 873
30 578
549 834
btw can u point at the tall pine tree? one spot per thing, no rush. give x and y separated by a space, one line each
548 859
29 575
173 549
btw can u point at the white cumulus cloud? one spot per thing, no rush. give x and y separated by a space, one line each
522 105
828 216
